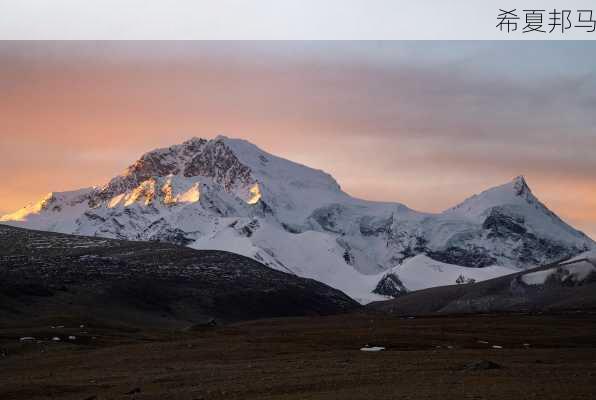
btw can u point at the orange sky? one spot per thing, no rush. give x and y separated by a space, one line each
390 121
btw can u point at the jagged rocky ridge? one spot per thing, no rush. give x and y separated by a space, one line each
228 194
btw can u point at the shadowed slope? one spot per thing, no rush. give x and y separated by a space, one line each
557 286
146 282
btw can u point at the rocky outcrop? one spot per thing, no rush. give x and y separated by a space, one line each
390 285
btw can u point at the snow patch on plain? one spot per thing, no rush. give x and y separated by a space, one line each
538 277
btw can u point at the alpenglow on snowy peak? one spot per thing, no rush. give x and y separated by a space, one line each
227 194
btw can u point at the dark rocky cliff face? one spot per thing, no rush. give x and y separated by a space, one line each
217 161
469 256
529 249
390 285
196 157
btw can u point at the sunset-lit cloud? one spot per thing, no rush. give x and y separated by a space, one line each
423 123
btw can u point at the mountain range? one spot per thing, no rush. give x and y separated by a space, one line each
227 194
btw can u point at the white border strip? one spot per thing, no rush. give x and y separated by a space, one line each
273 19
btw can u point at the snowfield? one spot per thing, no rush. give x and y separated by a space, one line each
421 272
227 194
575 270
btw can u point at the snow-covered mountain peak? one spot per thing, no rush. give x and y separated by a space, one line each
267 166
197 159
520 186
513 193
227 161
178 173
512 212
291 190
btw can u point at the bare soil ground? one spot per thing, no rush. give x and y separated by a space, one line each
542 356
